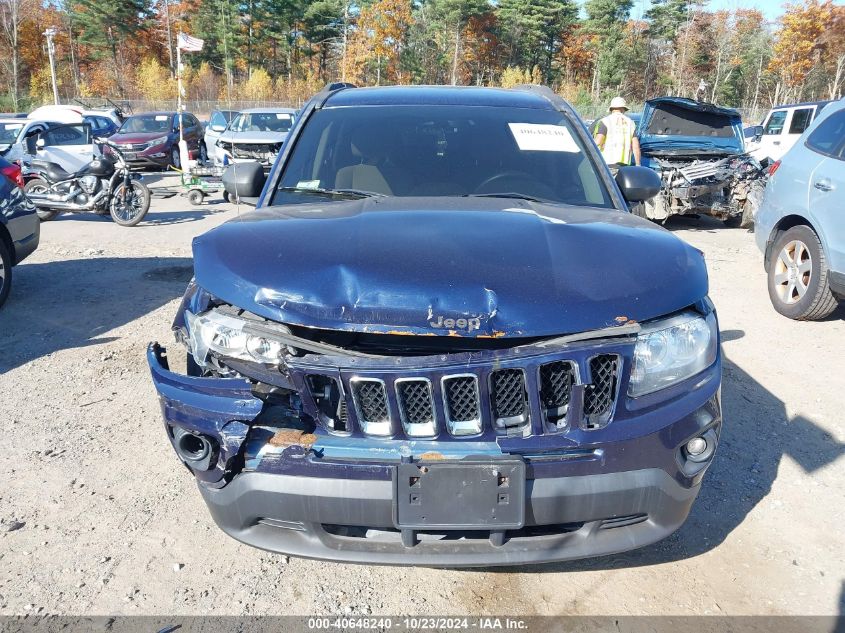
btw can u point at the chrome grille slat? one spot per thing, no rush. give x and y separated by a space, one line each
509 397
370 398
463 410
600 395
416 406
556 380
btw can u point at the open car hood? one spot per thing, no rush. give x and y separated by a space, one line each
406 265
674 124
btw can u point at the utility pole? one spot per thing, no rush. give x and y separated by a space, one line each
51 51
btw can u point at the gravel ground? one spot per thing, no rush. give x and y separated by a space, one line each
98 517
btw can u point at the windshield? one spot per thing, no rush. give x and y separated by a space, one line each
442 151
9 132
147 123
262 122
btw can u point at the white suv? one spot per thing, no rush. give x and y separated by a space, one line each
781 128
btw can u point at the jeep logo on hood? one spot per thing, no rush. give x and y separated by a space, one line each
469 324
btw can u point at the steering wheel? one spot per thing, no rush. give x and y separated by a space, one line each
516 175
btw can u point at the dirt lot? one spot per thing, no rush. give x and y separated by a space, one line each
97 516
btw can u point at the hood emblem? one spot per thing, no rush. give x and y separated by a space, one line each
468 324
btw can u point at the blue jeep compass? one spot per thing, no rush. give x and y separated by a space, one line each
443 339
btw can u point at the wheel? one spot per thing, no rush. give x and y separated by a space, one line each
130 209
5 272
195 197
798 272
37 185
175 159
232 198
203 154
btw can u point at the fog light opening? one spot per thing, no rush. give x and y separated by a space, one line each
192 448
696 446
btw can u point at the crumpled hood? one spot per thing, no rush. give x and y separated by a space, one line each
674 124
253 137
461 266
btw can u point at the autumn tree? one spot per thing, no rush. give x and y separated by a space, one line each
797 46
606 20
452 16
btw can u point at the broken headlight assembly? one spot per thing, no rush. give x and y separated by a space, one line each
232 337
671 350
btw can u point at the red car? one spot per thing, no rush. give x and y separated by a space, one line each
151 139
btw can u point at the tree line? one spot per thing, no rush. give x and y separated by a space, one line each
284 50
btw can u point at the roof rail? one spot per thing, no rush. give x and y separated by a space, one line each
550 95
329 89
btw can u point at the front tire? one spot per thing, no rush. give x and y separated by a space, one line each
130 209
195 197
39 185
5 272
798 276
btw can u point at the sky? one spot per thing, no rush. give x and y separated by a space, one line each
772 9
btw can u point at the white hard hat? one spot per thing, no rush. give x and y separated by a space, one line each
618 103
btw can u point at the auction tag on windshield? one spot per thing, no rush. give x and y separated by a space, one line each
308 184
537 137
283 116
13 126
162 117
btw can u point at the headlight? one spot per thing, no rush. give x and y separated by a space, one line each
673 350
230 336
157 141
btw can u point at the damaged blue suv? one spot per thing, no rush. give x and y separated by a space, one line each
443 339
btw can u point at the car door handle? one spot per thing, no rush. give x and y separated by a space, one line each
823 185
775 142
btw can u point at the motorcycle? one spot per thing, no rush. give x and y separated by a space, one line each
103 186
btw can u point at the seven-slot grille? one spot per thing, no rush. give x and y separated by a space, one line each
455 406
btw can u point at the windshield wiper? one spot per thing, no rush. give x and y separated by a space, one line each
353 193
513 194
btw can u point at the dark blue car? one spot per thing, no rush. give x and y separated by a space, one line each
19 225
443 339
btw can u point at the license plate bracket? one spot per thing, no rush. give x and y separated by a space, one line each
471 494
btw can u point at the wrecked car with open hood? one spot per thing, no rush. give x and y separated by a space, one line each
698 149
443 339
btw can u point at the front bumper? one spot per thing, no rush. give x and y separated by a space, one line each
333 497
351 520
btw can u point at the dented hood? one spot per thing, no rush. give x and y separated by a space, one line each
465 266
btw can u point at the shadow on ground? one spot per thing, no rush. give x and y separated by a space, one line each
70 304
758 434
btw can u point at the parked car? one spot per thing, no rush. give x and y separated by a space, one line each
800 227
254 134
699 152
151 139
217 122
103 122
443 339
781 128
70 145
19 225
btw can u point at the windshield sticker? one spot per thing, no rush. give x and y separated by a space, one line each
162 117
283 116
13 126
308 184
536 137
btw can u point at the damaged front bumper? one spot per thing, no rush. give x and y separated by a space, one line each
322 495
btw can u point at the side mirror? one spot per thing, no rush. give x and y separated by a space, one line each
40 144
638 183
217 128
244 180
758 132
